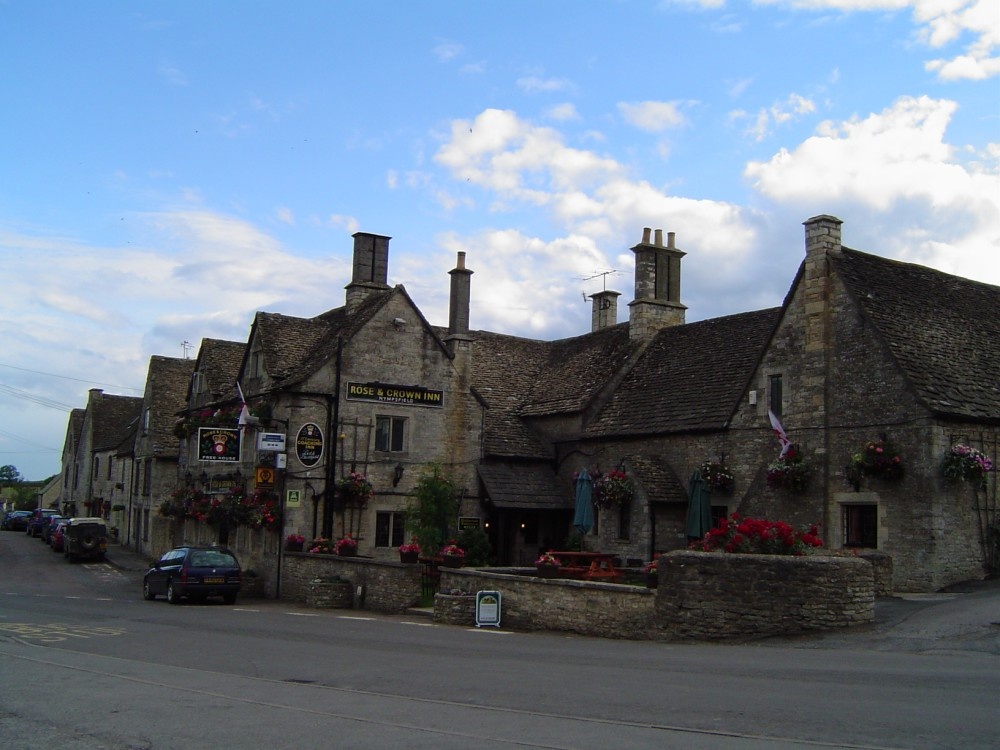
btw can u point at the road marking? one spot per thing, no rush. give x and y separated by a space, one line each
55 632
301 614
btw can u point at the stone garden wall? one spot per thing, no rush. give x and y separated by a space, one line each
531 603
389 587
705 596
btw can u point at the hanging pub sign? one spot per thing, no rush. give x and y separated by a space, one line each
219 444
414 395
309 444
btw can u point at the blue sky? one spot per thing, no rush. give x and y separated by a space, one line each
172 167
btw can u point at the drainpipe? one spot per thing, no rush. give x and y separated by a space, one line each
331 460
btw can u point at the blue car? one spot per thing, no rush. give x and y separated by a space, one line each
16 520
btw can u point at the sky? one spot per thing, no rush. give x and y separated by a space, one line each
170 168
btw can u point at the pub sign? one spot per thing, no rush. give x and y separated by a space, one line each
309 444
219 444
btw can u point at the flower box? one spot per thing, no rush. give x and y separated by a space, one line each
409 557
452 561
547 571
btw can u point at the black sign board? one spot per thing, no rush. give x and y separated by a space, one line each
309 444
219 444
384 393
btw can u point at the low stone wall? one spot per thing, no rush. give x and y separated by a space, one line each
389 587
455 610
704 595
531 603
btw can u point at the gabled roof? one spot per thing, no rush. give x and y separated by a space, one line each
219 363
942 330
521 485
520 378
690 378
658 479
168 380
112 418
295 348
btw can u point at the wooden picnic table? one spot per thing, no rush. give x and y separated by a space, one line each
587 566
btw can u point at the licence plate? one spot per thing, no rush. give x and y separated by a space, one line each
214 579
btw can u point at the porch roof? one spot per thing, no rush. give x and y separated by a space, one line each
524 485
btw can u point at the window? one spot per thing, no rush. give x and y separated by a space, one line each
97 467
625 519
390 433
861 526
390 529
145 421
109 468
147 476
774 395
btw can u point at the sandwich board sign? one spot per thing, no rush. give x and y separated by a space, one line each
488 608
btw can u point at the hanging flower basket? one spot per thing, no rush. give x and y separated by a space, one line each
355 489
612 489
790 473
718 476
877 459
452 556
963 462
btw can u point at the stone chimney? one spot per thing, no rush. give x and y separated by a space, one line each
822 241
458 304
604 313
657 286
371 268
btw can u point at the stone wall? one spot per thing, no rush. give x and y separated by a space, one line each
390 587
706 596
530 603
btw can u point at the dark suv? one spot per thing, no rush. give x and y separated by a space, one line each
85 539
194 572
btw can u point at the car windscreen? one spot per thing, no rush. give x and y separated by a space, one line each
213 559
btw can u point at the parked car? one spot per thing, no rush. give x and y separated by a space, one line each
194 572
16 520
39 517
85 539
48 528
59 536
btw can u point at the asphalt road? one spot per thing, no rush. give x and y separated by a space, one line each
86 663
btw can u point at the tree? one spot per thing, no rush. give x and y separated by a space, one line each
9 475
433 510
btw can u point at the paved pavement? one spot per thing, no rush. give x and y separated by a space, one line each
962 617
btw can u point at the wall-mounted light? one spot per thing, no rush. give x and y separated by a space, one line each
399 323
397 474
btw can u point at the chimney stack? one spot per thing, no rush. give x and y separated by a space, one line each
371 268
657 286
458 303
604 313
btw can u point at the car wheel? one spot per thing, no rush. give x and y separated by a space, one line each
172 596
146 593
229 598
88 542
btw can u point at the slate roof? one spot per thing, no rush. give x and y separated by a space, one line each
112 419
294 348
167 381
658 479
942 330
690 378
524 485
219 364
518 378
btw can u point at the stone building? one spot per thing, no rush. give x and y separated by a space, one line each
862 351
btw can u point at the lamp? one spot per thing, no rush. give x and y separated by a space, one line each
397 474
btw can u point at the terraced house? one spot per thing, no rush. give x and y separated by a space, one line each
867 360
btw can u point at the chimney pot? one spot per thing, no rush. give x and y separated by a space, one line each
670 239
460 264
645 235
659 238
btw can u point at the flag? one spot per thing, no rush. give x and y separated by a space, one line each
244 412
779 431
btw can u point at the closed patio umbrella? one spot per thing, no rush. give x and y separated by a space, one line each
583 516
699 515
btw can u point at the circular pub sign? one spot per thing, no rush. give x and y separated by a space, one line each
309 444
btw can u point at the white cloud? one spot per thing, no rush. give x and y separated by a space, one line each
652 117
562 112
761 124
538 85
448 51
904 186
939 23
286 216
